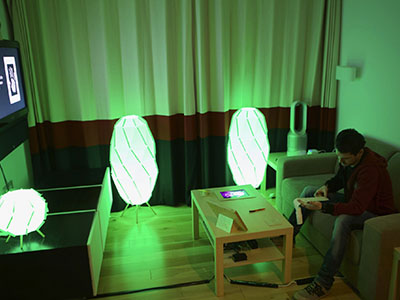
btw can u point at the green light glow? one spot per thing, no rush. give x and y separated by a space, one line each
22 211
133 160
248 146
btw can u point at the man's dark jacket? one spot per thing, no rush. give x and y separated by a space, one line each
368 187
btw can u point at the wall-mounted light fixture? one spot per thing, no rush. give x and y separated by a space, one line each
346 73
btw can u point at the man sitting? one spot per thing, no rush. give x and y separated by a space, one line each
367 194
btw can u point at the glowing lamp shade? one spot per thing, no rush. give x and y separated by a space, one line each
22 211
248 146
133 160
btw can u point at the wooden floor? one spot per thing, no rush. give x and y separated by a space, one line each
159 251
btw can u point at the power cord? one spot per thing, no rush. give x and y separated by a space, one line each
172 286
270 285
232 281
302 281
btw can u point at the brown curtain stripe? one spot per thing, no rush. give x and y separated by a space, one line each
321 119
67 134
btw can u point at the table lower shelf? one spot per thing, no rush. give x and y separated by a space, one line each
266 251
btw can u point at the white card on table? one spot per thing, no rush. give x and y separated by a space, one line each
225 223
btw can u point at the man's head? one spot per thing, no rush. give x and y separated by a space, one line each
349 147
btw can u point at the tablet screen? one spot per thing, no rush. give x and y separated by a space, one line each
234 194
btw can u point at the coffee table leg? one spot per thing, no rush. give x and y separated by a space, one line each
219 268
287 262
195 221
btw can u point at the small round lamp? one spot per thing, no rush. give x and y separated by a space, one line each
21 212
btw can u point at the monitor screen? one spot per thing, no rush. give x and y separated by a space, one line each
12 95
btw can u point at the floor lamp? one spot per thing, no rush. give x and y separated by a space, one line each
248 146
133 163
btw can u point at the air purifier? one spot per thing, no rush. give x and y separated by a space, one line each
297 136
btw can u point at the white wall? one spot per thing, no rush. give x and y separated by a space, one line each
17 165
371 42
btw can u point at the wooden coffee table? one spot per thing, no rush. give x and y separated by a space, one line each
260 225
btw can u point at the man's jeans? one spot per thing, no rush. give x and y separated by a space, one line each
344 224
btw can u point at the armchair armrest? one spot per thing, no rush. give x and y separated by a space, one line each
304 165
380 236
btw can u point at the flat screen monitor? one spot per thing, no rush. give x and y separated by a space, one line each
12 93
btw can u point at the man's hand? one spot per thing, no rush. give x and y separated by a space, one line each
322 192
311 205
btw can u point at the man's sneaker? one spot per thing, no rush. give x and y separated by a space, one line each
313 291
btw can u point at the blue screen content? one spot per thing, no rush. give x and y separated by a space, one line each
12 97
234 194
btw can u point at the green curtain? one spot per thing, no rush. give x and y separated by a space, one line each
185 66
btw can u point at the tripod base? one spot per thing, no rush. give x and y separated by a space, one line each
21 238
137 211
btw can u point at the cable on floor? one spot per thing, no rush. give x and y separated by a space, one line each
302 281
270 285
232 281
172 286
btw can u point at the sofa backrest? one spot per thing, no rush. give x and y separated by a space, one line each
392 155
380 147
